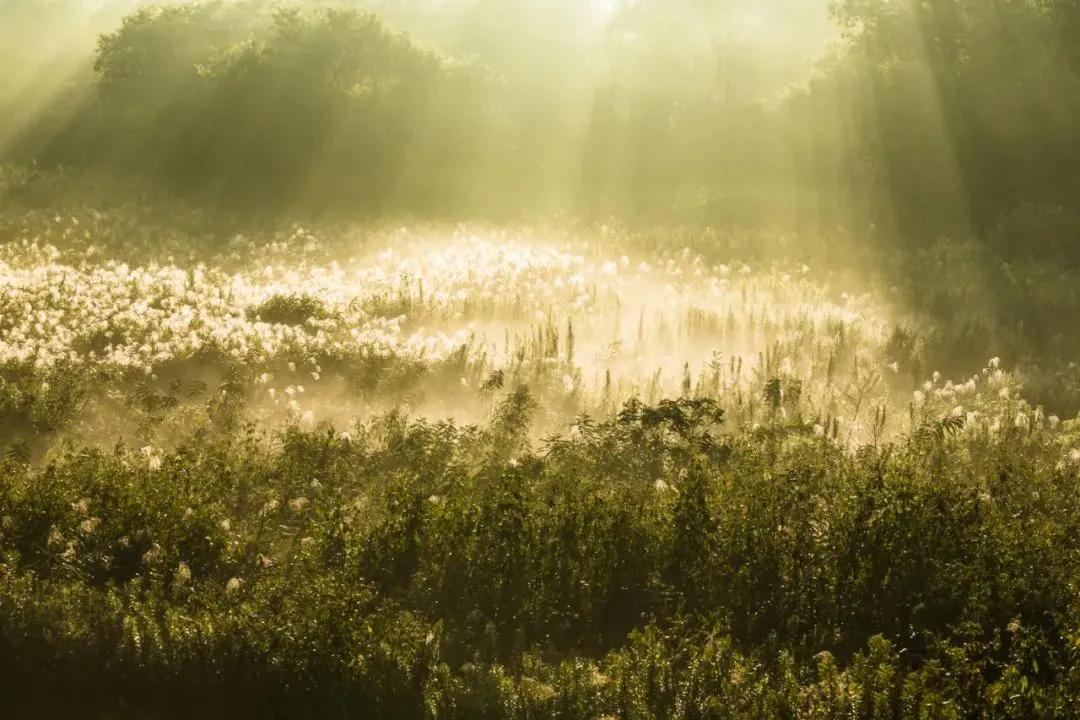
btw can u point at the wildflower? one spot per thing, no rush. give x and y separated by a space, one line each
233 585
152 555
919 397
298 504
307 542
536 690
183 574
89 525
226 525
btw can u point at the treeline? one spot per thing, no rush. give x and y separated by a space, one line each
927 118
264 109
965 115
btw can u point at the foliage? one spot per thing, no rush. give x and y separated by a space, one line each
244 105
289 309
223 486
919 118
410 570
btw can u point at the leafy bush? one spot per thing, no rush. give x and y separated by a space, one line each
644 568
288 309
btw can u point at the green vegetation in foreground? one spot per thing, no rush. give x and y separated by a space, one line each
644 567
730 553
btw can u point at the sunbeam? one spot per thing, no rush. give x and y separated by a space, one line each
528 359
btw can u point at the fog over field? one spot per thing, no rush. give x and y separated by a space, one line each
628 359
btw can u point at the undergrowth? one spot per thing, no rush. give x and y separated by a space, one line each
647 566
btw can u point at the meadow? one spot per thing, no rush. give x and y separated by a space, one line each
107 341
504 360
476 471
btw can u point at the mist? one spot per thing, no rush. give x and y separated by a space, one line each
539 358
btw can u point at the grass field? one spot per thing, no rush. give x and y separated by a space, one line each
481 472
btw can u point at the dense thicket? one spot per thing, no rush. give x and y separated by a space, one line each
648 567
227 103
967 115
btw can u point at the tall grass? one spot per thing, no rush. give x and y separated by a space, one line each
672 484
